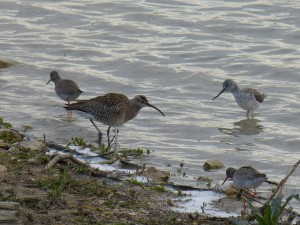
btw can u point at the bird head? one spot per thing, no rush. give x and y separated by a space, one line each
228 85
54 76
229 174
142 101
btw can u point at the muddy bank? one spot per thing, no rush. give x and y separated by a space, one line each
73 194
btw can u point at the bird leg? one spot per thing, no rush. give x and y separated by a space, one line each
108 140
116 139
253 193
247 193
110 143
243 192
247 114
99 133
68 110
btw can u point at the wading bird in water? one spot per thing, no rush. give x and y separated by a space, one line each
66 89
111 109
248 99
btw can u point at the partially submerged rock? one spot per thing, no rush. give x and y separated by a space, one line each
213 164
33 144
204 179
156 175
5 64
228 188
27 127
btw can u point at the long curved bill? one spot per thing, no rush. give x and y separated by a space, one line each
225 180
152 106
48 81
219 94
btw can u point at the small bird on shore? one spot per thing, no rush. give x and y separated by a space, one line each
111 109
248 99
66 89
246 178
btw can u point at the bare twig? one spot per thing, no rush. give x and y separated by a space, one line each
280 185
106 153
59 157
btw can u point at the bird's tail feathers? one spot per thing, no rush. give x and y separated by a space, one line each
271 182
264 96
78 105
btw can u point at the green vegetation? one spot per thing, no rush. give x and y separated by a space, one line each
10 136
6 124
9 195
159 188
27 153
136 183
273 211
31 202
271 214
130 152
80 142
56 184
62 180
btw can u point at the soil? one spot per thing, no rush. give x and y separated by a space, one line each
75 194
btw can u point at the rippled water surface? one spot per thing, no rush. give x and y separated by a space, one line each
177 53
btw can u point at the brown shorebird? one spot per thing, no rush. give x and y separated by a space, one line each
112 109
248 99
246 177
67 90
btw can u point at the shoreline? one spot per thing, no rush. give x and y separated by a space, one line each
76 194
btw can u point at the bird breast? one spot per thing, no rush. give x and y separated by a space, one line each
246 100
247 183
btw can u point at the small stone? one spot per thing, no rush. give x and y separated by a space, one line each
213 164
12 149
204 179
3 169
156 175
32 161
33 144
228 188
4 145
27 127
170 203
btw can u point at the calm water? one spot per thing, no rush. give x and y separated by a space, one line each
177 54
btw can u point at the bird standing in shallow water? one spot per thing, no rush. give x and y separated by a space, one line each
112 109
67 90
246 177
248 99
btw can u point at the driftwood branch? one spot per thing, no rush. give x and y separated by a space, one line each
280 186
60 157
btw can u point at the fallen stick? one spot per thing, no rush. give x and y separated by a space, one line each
59 157
280 186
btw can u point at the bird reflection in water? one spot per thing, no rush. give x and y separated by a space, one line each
244 127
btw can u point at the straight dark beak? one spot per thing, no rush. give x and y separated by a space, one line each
219 94
225 180
152 106
48 81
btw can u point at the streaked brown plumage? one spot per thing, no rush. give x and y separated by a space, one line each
112 109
